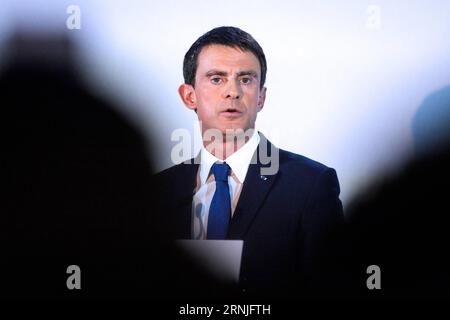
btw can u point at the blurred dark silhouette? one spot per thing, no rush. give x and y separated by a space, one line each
431 123
402 224
76 181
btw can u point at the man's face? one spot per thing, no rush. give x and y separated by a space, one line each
227 92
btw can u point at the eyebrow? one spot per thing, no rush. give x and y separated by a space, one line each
239 74
216 73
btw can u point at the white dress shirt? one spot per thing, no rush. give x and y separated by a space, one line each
239 162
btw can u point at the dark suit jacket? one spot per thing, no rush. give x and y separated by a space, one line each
289 221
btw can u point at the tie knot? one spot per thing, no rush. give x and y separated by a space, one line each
221 171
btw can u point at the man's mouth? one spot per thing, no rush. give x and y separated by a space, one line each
231 112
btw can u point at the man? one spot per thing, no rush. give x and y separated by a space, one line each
288 214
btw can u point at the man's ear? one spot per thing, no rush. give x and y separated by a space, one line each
187 95
261 98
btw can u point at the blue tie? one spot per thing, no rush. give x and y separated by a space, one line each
220 209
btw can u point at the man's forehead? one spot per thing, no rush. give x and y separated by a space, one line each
215 56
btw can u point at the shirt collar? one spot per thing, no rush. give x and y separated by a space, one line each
238 161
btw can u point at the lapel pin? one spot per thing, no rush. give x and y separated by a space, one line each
264 178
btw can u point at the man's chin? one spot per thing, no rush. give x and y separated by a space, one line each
231 129
229 132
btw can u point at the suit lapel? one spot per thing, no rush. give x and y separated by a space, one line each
183 200
254 191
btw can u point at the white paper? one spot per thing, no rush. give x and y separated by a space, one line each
221 257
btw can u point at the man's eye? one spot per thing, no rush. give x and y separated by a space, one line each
216 80
246 80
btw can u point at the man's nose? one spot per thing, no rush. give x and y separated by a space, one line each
233 90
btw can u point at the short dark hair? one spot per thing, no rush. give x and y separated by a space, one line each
227 36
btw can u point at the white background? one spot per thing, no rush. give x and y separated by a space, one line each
343 86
